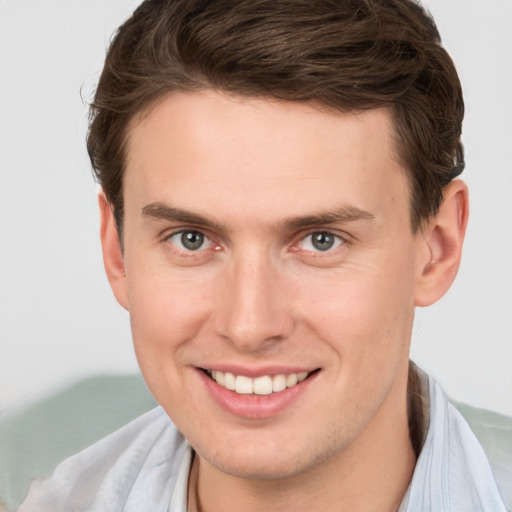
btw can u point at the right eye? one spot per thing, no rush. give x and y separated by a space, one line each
321 241
190 240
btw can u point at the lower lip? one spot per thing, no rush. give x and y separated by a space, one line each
255 406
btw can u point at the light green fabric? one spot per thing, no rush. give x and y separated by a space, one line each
34 441
494 431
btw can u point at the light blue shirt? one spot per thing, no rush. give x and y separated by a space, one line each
145 467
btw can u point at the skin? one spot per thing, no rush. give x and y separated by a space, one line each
258 295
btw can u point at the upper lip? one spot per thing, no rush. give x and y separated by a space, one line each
254 372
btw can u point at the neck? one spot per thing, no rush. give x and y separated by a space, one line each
372 474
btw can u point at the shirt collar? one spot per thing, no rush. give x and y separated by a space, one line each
452 471
178 501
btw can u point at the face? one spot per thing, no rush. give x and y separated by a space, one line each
268 244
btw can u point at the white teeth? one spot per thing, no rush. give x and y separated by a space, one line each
278 383
243 385
219 377
264 385
291 380
301 376
229 381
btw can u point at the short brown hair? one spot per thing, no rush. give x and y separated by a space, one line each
345 54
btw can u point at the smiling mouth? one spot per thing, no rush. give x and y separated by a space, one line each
264 385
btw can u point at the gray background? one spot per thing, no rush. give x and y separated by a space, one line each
58 320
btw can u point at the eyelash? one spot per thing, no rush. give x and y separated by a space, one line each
338 242
181 233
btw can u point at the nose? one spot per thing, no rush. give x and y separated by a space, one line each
253 310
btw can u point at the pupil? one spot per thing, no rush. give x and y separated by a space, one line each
192 240
322 241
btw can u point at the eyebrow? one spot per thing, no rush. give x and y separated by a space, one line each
340 215
163 211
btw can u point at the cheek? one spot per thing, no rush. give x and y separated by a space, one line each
165 313
365 314
367 321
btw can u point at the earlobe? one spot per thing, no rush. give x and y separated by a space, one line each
112 253
443 237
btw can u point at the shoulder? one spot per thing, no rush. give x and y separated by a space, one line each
494 433
137 463
453 472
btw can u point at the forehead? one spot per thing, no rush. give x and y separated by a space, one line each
260 152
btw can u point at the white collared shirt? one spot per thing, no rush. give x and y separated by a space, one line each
145 466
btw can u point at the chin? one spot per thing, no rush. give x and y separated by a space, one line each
256 468
263 463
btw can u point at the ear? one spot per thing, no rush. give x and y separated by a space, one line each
443 236
112 253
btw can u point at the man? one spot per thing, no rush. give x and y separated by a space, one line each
279 194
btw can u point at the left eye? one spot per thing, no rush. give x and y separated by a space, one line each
190 240
320 241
